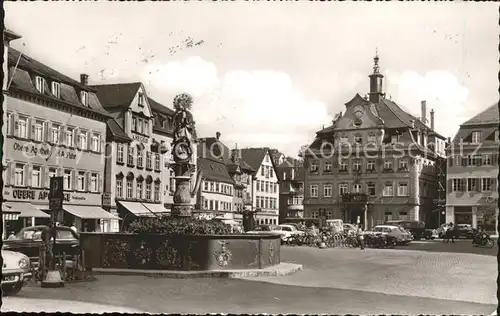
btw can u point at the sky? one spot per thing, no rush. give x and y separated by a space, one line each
273 74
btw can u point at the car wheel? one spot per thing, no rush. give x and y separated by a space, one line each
12 289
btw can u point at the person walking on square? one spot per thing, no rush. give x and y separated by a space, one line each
452 232
445 233
361 237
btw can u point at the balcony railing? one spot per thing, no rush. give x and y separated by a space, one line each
355 198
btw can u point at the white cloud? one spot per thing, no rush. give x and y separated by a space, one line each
440 89
251 108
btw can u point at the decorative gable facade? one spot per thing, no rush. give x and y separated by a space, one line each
375 163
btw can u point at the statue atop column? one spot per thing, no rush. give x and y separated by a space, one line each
182 148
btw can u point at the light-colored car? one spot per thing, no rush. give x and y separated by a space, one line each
349 228
401 236
270 229
292 229
441 230
15 271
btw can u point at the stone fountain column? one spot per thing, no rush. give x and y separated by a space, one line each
182 147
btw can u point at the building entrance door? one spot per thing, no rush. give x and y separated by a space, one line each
352 214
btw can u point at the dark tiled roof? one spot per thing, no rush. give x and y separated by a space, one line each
117 95
245 166
33 66
211 147
162 113
488 116
115 131
21 80
214 170
286 168
157 107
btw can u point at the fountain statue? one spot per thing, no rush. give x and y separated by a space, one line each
182 149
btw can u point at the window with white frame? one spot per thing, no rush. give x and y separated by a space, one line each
134 124
388 164
119 155
96 142
19 175
36 177
130 156
314 190
40 84
257 185
458 185
371 189
148 160
140 99
356 166
157 162
315 214
473 184
343 188
52 172
67 177
487 159
38 130
344 139
327 190
394 139
314 166
81 181
148 191
9 123
56 89
119 188
262 172
370 165
474 160
84 97
140 155
140 128
271 172
343 165
403 164
388 189
403 216
328 166
217 187
82 140
146 127
157 191
68 136
267 187
486 184
387 216
138 191
356 188
94 182
22 127
129 188
402 189
457 160
476 137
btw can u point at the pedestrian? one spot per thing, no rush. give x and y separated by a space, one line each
452 232
12 236
445 233
361 237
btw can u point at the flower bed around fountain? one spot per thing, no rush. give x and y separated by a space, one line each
149 251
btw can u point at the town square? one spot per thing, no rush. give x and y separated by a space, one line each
250 158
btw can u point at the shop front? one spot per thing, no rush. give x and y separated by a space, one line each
129 211
8 217
82 209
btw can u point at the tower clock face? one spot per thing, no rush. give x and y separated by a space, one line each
182 151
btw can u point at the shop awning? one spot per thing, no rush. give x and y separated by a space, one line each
89 212
8 214
27 209
157 209
137 209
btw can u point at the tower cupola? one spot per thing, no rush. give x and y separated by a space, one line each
376 82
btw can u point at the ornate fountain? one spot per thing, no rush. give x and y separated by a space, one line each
182 148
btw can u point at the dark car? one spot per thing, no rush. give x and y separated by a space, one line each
29 240
416 228
464 230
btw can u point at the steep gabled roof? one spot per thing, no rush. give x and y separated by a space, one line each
118 95
488 116
254 156
115 131
157 107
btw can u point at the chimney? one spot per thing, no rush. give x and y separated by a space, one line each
217 135
293 173
84 79
423 116
432 119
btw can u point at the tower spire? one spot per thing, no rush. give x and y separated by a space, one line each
376 81
376 67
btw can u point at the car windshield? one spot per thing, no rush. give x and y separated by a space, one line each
382 229
286 228
30 234
275 228
65 234
262 228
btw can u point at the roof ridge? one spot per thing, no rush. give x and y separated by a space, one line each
395 114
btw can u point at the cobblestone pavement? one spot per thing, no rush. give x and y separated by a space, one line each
460 246
334 281
450 276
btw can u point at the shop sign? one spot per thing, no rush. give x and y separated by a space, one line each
43 150
140 138
35 195
106 199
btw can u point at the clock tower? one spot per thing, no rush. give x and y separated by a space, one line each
376 82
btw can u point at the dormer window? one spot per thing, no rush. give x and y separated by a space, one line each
40 84
56 89
141 100
84 97
146 127
476 137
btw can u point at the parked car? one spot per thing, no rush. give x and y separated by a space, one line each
292 229
29 239
401 236
464 230
416 228
270 229
349 228
440 230
16 271
298 226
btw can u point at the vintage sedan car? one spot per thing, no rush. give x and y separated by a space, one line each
16 271
402 237
464 230
349 228
270 229
292 229
416 228
29 239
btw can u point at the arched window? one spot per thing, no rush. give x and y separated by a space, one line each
157 189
